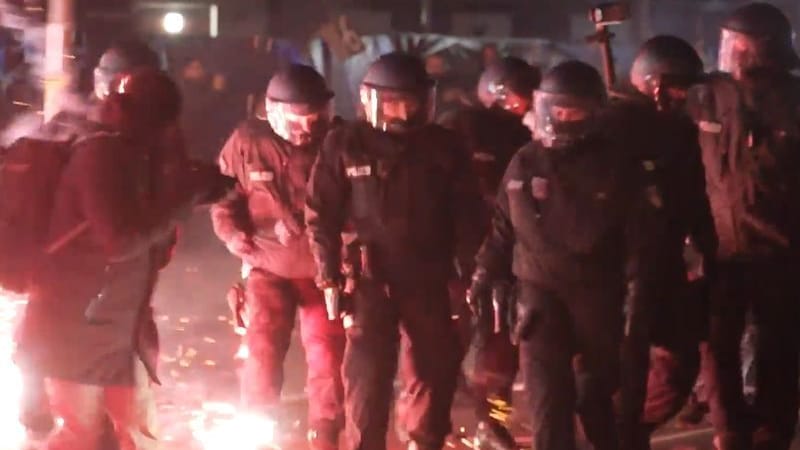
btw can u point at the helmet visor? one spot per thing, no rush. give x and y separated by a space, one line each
669 91
739 53
559 119
299 124
505 98
396 111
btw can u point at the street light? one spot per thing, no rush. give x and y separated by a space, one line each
173 22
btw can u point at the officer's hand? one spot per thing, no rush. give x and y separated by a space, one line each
282 233
240 244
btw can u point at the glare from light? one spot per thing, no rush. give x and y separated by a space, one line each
219 426
11 430
213 21
242 353
173 22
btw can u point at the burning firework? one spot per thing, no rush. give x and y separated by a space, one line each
219 426
12 432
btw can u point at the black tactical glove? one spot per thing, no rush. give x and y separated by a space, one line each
503 302
521 321
479 300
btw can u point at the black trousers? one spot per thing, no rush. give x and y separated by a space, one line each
431 357
661 371
569 354
770 291
273 302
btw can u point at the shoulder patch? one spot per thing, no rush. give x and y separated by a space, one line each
358 171
483 157
709 127
261 175
514 185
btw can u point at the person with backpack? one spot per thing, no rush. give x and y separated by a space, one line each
76 120
262 223
749 120
88 325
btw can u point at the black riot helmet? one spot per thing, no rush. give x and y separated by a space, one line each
566 102
122 57
397 94
298 105
664 68
756 36
508 84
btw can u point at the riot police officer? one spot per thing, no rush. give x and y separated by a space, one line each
404 187
664 69
262 223
749 119
578 219
493 133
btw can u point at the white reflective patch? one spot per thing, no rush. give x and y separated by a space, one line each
483 157
709 127
514 185
358 171
261 175
649 165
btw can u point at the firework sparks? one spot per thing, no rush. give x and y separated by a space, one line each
219 426
11 430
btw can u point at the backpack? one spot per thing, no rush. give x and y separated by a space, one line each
30 171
